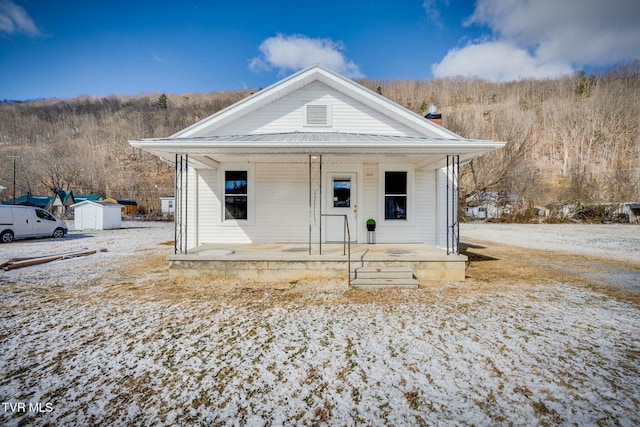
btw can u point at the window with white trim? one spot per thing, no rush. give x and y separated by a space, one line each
236 201
395 195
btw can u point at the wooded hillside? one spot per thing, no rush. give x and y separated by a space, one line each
572 139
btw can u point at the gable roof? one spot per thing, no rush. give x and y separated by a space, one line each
65 196
354 90
208 143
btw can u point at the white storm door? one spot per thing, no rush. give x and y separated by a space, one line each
342 199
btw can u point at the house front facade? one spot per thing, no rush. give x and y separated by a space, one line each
309 160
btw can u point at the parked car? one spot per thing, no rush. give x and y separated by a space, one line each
20 222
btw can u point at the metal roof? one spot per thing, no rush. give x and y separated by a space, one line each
296 138
227 148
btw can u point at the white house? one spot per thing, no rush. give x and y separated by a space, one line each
292 161
94 215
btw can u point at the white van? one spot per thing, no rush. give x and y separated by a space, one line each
19 222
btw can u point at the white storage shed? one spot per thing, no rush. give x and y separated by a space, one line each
92 215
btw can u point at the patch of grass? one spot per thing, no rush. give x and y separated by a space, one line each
413 399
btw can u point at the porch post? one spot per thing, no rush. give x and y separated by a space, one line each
310 204
314 203
180 211
320 203
453 196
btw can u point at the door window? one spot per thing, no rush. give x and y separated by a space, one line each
341 193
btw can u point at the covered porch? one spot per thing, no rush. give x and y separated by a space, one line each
269 262
315 180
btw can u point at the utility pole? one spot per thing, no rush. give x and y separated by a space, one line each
14 176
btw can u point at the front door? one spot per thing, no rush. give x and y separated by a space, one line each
341 200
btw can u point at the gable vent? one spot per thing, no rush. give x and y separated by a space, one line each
318 115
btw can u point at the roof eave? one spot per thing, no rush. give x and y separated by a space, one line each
167 150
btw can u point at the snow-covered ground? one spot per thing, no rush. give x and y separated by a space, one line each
613 241
95 344
134 239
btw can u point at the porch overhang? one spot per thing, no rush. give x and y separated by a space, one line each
296 147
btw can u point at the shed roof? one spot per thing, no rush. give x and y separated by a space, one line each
96 203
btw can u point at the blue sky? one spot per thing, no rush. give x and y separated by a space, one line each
64 48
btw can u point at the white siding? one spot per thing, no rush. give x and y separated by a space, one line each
426 206
288 115
370 198
281 193
192 204
112 217
420 225
209 206
441 220
282 203
281 207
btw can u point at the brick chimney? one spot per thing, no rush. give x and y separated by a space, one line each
434 116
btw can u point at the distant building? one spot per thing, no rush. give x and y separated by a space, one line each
61 202
130 207
167 206
491 205
634 212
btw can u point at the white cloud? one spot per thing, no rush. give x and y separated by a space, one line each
499 61
295 52
545 37
14 19
432 8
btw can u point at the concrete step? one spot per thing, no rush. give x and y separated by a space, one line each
384 283
384 273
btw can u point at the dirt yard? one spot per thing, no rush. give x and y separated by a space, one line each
532 337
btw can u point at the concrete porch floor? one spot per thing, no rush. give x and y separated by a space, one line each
268 262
